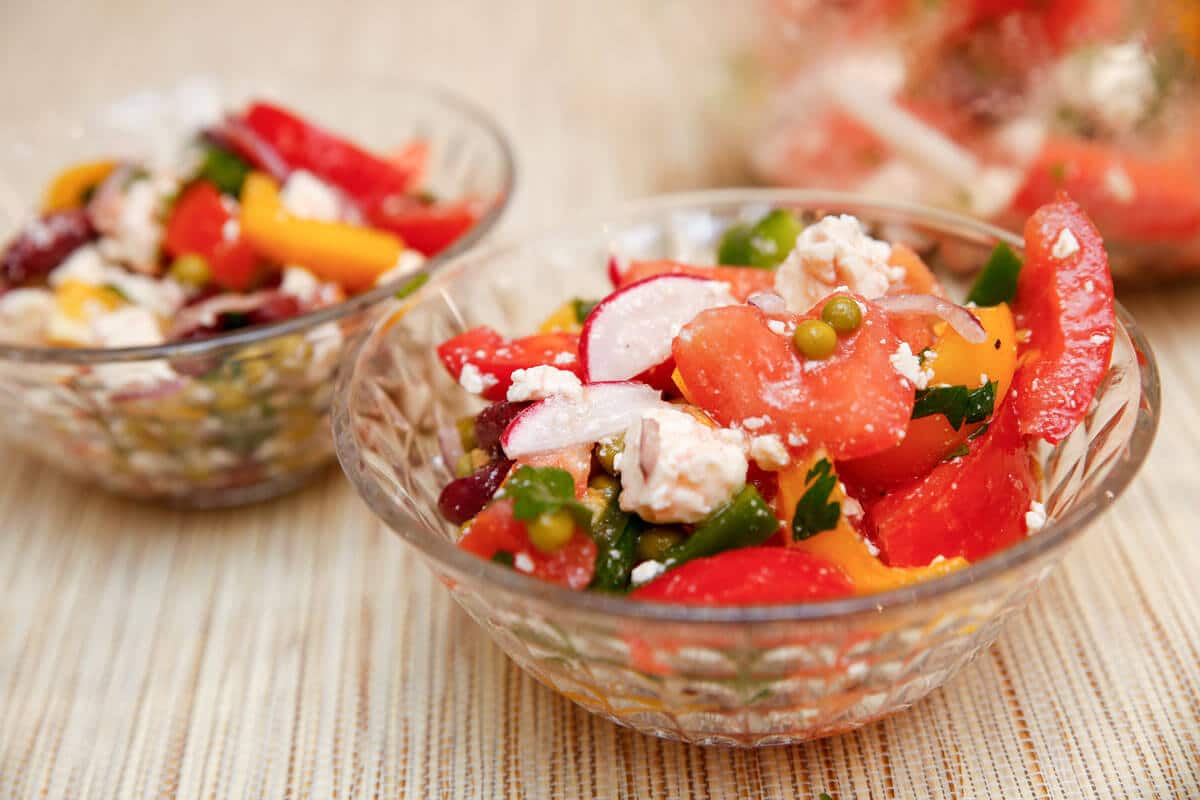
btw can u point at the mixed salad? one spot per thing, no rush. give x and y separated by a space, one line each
260 217
991 107
255 217
810 418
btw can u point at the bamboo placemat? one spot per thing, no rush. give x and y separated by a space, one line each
297 650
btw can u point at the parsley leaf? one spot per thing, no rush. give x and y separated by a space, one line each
224 169
582 308
997 281
814 512
957 403
544 490
824 796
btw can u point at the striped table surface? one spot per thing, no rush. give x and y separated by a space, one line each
296 649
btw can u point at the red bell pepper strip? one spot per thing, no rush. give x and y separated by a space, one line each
495 530
365 177
497 358
1065 300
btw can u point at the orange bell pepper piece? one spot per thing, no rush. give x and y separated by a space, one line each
68 188
843 546
350 255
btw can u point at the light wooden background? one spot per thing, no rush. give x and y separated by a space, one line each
295 649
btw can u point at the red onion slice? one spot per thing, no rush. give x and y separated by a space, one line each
649 445
203 314
960 318
239 137
768 302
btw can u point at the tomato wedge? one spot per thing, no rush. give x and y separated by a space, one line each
749 576
495 530
743 281
853 403
363 176
1131 198
198 224
971 506
496 358
1065 300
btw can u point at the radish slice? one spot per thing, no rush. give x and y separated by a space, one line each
768 302
604 409
632 329
961 319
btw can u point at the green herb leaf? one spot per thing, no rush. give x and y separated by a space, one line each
503 557
416 283
582 308
542 490
824 796
224 169
957 403
997 281
814 512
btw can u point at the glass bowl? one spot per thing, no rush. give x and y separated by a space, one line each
243 416
745 676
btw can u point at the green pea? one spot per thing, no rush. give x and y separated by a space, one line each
608 450
815 339
734 249
191 270
550 531
843 314
654 543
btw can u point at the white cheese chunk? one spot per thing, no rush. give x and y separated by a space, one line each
1065 245
537 383
768 452
645 572
909 366
1035 517
833 253
307 196
676 469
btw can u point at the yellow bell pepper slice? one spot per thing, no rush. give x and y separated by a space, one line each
843 546
68 188
74 299
562 320
960 362
349 255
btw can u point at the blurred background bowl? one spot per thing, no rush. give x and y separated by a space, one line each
739 676
243 416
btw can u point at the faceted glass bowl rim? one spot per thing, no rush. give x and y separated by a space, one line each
494 577
468 111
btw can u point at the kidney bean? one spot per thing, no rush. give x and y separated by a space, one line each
44 244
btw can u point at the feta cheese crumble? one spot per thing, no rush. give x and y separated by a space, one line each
1035 517
1065 245
1118 184
307 196
909 366
768 452
537 383
676 469
645 572
475 381
835 252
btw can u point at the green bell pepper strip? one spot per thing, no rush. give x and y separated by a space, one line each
745 521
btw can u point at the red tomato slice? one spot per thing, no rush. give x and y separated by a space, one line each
198 224
495 530
743 281
853 403
428 229
497 358
970 507
749 576
927 442
303 145
1067 305
1131 198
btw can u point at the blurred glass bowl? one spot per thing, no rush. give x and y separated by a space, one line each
989 108
739 676
242 416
